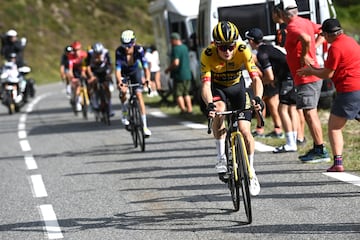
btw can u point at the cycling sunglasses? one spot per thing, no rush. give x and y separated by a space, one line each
225 47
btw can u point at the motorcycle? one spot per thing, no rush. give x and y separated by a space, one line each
15 88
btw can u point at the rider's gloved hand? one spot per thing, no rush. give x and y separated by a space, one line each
260 102
210 108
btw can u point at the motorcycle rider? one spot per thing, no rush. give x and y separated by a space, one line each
10 75
11 44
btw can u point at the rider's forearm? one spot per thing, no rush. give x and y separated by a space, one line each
257 87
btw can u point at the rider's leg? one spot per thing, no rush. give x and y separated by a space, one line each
219 132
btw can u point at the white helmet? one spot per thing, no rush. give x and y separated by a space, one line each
11 33
127 37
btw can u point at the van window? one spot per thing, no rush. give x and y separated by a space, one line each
249 16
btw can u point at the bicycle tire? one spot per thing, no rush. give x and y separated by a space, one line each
104 107
84 103
243 175
131 126
139 128
232 183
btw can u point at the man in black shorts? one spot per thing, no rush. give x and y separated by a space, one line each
275 70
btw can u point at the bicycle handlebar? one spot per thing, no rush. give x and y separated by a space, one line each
235 112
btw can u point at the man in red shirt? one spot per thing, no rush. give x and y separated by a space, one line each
77 70
301 46
342 66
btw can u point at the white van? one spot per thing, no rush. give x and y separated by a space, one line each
173 16
247 14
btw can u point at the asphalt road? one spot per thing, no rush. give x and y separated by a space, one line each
63 177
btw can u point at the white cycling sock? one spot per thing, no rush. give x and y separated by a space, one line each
220 148
124 107
251 161
143 117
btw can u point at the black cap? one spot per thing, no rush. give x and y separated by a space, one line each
331 25
255 34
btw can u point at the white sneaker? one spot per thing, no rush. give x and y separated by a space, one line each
147 132
68 90
221 166
254 185
125 121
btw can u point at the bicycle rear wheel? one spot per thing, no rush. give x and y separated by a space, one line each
232 183
139 128
104 107
243 175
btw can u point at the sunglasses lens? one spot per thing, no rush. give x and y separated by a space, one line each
224 48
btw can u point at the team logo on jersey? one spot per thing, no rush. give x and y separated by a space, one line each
220 66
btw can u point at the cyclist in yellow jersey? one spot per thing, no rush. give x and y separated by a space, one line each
222 63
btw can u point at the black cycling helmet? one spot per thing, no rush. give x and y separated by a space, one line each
225 32
98 47
68 49
127 38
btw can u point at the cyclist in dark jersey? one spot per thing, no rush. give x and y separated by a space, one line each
273 65
64 68
98 69
131 62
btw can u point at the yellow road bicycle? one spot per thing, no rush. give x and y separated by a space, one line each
238 173
84 99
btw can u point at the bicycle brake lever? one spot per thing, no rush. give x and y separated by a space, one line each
209 125
262 122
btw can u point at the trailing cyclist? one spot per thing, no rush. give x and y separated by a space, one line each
131 62
98 70
76 71
222 82
64 68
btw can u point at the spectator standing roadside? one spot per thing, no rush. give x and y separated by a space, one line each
152 57
280 38
275 70
342 66
181 73
271 88
301 46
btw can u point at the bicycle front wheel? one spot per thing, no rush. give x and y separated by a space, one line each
232 183
139 128
243 175
84 102
132 125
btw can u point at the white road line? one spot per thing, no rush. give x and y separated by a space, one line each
38 186
22 134
193 125
51 224
21 126
25 146
345 177
158 114
30 162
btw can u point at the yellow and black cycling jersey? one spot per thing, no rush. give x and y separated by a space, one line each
227 72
